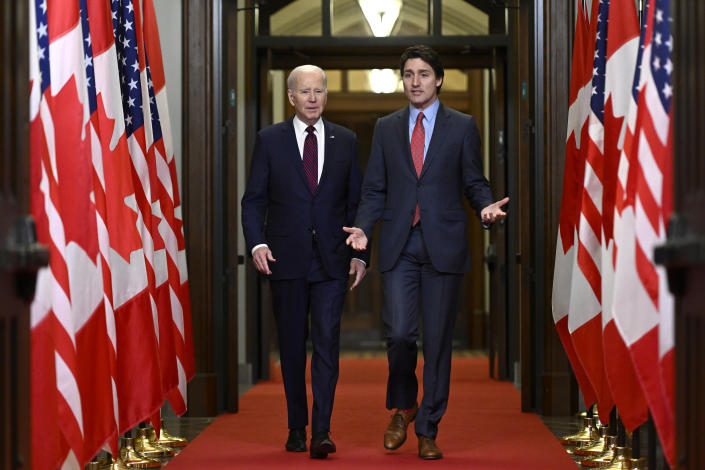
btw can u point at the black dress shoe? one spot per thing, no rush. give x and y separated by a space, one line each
321 445
297 440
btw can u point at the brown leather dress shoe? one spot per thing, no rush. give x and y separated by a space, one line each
395 435
428 450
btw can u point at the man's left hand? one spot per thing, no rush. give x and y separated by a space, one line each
494 211
359 269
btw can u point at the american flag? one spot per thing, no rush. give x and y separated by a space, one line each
111 305
584 317
171 228
622 55
643 306
135 92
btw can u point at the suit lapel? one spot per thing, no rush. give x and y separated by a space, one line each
328 152
403 137
440 129
292 148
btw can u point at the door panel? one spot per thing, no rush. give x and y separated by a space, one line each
14 314
495 256
684 253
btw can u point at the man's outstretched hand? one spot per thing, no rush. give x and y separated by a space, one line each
494 211
357 238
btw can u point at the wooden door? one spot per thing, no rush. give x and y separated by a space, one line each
684 253
16 234
495 255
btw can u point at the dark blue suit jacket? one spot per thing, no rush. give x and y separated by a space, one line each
278 208
391 189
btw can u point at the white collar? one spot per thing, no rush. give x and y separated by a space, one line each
300 126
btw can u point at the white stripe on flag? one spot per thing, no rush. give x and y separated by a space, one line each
590 241
593 186
68 387
177 313
48 127
650 169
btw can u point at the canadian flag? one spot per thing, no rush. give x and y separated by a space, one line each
171 227
566 246
585 307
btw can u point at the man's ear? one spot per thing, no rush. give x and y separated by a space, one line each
290 94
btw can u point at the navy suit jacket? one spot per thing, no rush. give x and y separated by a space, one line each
391 189
278 208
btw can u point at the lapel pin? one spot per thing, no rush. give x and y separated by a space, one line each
332 137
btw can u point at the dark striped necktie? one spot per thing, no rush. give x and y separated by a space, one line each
311 159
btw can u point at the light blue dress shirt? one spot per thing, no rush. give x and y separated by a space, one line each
429 120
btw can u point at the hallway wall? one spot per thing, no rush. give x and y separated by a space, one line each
169 13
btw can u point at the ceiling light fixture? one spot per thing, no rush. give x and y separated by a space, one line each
383 80
381 15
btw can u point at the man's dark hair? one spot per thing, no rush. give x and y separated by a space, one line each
426 54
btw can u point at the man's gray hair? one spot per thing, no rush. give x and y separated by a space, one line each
291 81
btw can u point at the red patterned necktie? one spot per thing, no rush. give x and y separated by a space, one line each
311 159
418 137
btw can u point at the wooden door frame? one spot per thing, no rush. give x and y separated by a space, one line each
554 390
684 252
210 200
496 256
15 418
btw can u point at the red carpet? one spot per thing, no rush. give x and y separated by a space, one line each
483 428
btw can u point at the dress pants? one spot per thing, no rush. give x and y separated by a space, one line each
291 301
414 277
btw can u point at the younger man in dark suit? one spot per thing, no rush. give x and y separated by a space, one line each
424 158
304 187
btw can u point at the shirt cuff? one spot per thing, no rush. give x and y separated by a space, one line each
365 264
256 247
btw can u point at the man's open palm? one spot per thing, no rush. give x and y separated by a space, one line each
357 238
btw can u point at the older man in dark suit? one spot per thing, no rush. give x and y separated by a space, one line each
424 158
304 186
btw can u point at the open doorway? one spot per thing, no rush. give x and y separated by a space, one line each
472 39
357 97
